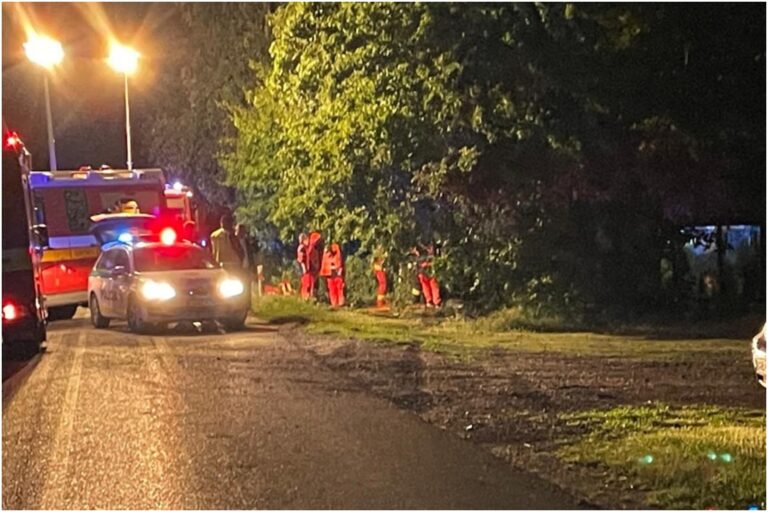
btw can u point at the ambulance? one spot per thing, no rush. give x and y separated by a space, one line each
23 309
65 201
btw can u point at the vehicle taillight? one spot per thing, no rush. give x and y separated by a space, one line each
10 312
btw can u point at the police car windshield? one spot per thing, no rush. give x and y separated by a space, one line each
163 259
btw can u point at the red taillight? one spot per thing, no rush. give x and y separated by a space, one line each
10 312
168 236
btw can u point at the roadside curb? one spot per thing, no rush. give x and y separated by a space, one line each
13 383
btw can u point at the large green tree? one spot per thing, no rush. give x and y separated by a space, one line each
520 136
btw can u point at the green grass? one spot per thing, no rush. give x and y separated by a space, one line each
688 457
462 337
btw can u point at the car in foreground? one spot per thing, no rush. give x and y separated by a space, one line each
758 356
152 284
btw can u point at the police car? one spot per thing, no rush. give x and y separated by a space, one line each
154 283
758 356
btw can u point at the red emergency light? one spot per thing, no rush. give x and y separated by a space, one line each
168 236
12 140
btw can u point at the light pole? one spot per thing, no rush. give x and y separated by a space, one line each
45 52
124 59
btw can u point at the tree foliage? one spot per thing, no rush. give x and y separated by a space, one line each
206 64
550 149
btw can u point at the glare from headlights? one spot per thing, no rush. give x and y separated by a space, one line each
152 290
231 287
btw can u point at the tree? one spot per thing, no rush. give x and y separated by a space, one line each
501 131
208 51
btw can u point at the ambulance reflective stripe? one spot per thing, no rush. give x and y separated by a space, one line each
80 253
16 259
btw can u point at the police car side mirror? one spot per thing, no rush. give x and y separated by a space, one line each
40 236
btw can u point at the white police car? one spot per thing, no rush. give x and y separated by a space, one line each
758 356
154 283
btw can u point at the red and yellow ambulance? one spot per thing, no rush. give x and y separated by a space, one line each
64 201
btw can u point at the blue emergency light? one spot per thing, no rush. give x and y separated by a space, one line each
125 238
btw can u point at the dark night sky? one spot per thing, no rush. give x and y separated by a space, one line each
86 94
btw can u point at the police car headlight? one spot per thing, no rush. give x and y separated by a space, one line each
152 290
231 287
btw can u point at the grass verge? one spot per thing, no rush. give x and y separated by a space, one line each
686 457
462 337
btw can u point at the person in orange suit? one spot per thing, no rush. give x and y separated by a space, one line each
332 269
381 279
430 288
302 256
315 257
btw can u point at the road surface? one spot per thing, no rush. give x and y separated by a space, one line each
108 419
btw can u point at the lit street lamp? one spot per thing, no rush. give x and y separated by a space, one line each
124 59
45 52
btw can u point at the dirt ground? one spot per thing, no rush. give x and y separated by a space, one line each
509 402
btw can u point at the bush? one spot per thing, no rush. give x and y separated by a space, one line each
360 283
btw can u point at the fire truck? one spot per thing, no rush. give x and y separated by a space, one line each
64 201
23 310
179 201
183 205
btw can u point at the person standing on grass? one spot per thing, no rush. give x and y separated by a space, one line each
414 258
429 285
225 246
332 269
381 278
302 257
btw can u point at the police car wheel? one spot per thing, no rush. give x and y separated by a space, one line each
135 323
98 321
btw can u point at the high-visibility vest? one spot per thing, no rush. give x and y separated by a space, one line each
332 265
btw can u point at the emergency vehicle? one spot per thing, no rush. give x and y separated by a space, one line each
154 283
183 205
65 201
23 310
179 202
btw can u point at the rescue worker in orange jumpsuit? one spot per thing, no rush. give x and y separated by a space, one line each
309 255
315 257
413 274
302 256
333 270
381 279
429 285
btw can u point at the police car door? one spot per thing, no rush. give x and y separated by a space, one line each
120 281
104 267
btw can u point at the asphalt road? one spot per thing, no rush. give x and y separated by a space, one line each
108 420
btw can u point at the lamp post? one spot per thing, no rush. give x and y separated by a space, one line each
124 59
45 52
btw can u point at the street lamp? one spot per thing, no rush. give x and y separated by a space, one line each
45 52
124 59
